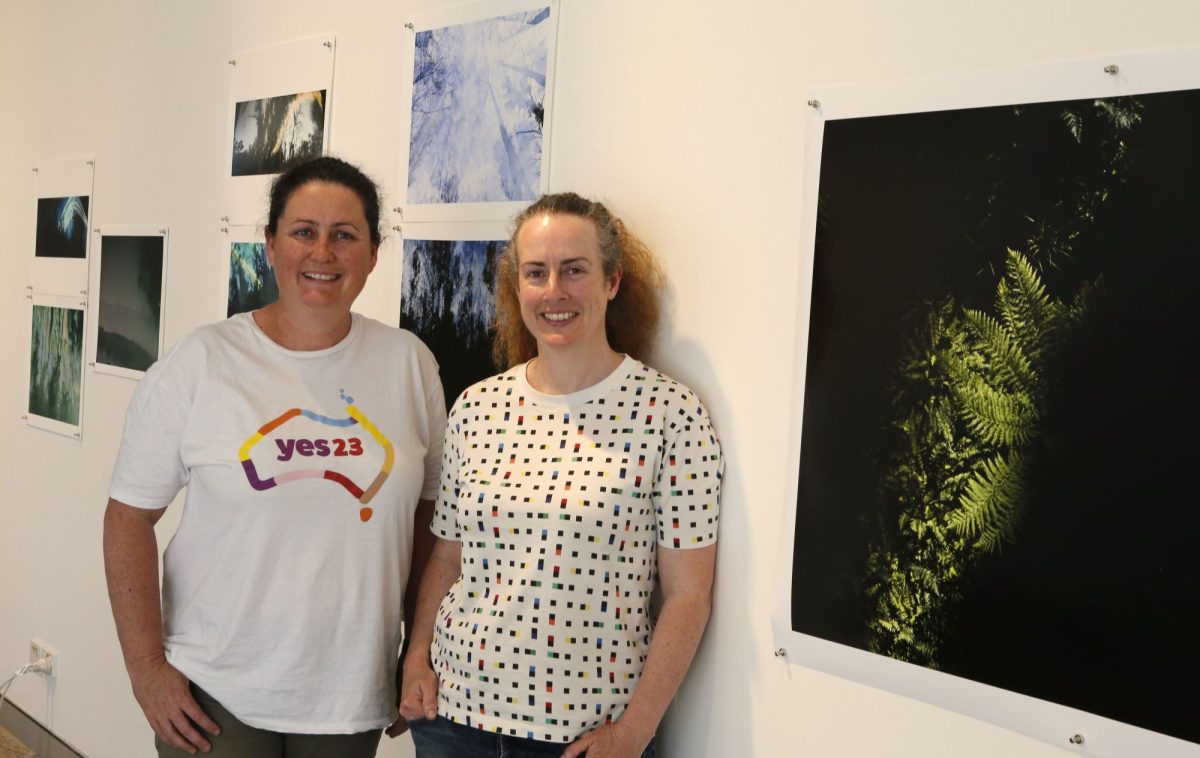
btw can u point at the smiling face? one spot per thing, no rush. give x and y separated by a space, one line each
561 283
321 250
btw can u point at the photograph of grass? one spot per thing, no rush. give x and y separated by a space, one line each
273 133
129 325
251 278
62 227
56 363
478 100
446 300
995 468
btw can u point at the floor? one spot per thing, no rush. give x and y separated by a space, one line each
22 737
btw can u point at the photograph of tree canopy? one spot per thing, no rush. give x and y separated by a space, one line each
477 110
251 278
995 469
273 133
130 317
446 300
56 363
62 227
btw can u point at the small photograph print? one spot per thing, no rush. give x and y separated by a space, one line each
446 300
251 278
130 317
478 104
56 364
271 134
62 227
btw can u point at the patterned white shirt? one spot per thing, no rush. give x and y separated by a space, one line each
560 502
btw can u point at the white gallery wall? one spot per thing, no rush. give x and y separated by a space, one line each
685 116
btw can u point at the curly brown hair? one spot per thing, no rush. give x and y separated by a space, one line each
631 320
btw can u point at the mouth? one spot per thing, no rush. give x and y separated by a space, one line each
313 276
559 317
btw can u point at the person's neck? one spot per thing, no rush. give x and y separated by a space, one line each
555 372
310 331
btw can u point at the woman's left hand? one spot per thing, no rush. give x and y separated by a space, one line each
608 741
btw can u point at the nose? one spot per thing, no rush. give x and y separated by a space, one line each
323 248
554 289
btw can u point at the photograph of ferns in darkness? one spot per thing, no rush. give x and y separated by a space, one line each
999 430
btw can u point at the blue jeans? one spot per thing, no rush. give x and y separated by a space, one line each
442 738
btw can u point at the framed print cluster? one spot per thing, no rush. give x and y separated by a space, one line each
446 296
279 115
480 86
993 509
129 320
59 273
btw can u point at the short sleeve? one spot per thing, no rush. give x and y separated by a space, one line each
687 491
149 471
435 410
445 512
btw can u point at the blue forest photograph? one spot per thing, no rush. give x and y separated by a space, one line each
446 300
251 278
62 227
479 90
997 449
131 272
56 363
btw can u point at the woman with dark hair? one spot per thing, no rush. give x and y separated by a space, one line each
309 439
570 483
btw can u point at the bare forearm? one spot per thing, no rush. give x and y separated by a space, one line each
440 574
131 568
677 634
421 550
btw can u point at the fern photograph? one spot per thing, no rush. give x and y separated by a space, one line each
998 420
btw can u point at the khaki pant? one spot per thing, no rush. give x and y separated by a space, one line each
240 741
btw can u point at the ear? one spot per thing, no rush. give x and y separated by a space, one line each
374 257
614 283
270 238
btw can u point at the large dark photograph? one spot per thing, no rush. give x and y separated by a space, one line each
446 300
997 444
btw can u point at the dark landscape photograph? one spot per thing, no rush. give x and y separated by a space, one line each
62 227
131 273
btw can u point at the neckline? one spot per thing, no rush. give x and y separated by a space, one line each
581 397
355 327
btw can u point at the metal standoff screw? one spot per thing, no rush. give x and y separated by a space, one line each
409 26
814 103
396 228
91 163
398 209
1076 740
162 231
225 219
96 230
35 169
781 652
225 229
232 62
1113 69
328 44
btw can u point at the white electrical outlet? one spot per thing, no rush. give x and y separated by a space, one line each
39 650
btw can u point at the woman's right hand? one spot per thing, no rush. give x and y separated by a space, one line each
418 699
166 699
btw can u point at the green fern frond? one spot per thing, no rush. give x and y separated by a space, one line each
995 416
1025 307
1005 356
1074 124
990 501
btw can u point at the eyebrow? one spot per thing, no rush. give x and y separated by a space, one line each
582 258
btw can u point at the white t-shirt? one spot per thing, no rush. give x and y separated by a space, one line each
283 587
560 503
